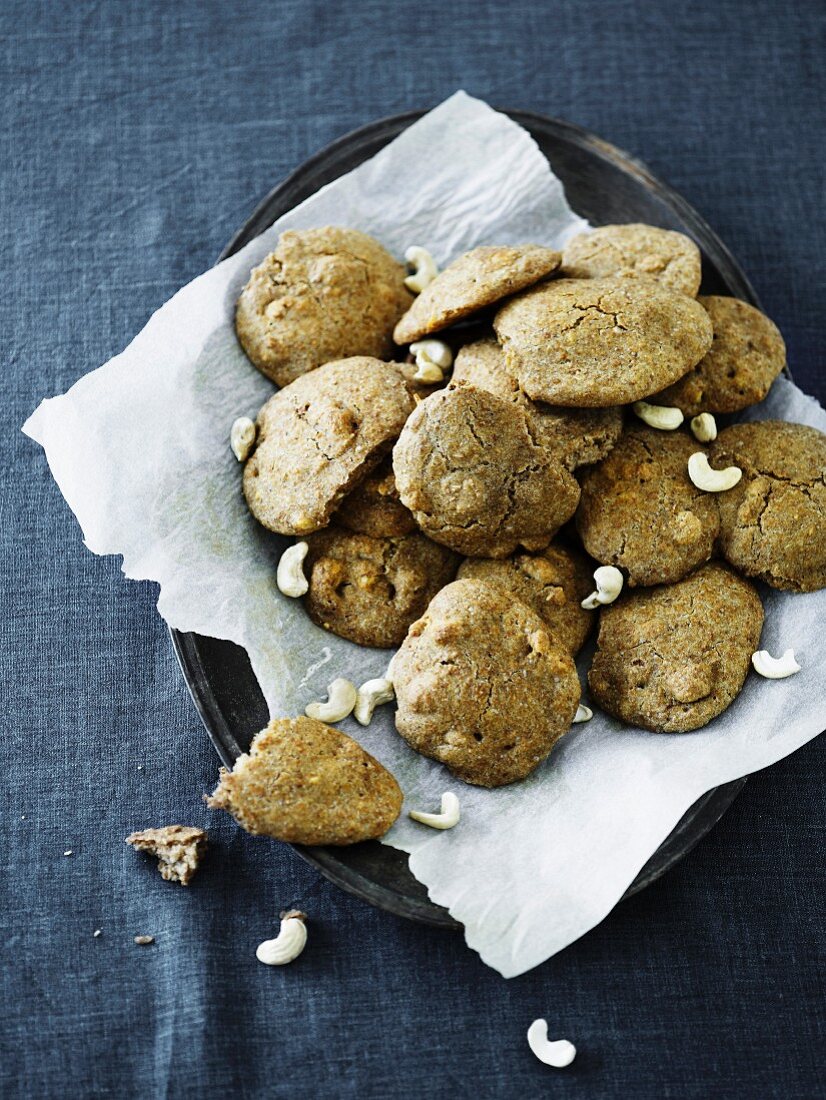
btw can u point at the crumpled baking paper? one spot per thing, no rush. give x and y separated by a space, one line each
139 449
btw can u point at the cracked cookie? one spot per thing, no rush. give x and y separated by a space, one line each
773 522
478 279
671 658
475 478
318 436
373 507
371 589
481 685
307 783
598 342
323 294
633 251
746 356
640 511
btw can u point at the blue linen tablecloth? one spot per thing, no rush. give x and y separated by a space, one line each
135 139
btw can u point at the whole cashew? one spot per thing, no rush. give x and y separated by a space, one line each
448 817
609 582
583 714
288 944
289 576
242 437
775 668
704 427
664 417
424 268
341 698
709 480
557 1054
371 695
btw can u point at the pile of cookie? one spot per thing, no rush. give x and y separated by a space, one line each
567 471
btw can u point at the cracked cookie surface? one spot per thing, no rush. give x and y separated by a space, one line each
633 251
373 507
671 658
482 686
598 342
323 294
773 522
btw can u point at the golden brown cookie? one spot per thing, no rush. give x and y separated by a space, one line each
373 507
371 589
482 686
672 658
634 251
307 783
553 583
179 849
323 294
598 342
470 471
746 356
640 511
773 523
478 278
318 436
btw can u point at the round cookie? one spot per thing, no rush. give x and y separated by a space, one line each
634 251
469 470
598 342
671 658
640 511
318 436
370 590
553 583
478 278
481 685
773 522
746 356
580 436
323 294
373 507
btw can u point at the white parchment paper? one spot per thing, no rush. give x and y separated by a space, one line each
139 449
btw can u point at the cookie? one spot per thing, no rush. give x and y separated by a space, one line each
553 583
746 356
482 686
598 342
371 589
640 511
478 278
323 294
307 783
773 522
635 251
580 436
179 849
318 437
373 507
671 658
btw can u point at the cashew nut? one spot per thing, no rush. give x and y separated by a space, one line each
557 1054
371 695
704 427
583 714
432 351
424 268
664 417
288 944
242 437
609 582
428 372
341 698
775 668
709 480
289 576
448 817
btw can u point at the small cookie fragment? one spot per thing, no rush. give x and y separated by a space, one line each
671 658
179 848
477 279
323 294
482 686
373 507
307 783
635 251
773 522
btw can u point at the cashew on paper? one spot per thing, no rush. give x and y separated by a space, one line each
289 576
775 668
448 817
242 437
370 695
341 698
583 714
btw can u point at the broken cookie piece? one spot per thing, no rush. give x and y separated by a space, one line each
179 848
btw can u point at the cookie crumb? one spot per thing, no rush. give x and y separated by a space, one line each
179 848
144 941
97 932
68 852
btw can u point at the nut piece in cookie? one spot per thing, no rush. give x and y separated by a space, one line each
746 356
482 686
373 507
318 437
179 848
469 469
634 251
307 783
598 342
672 658
640 511
773 522
323 294
553 583
478 278
371 589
